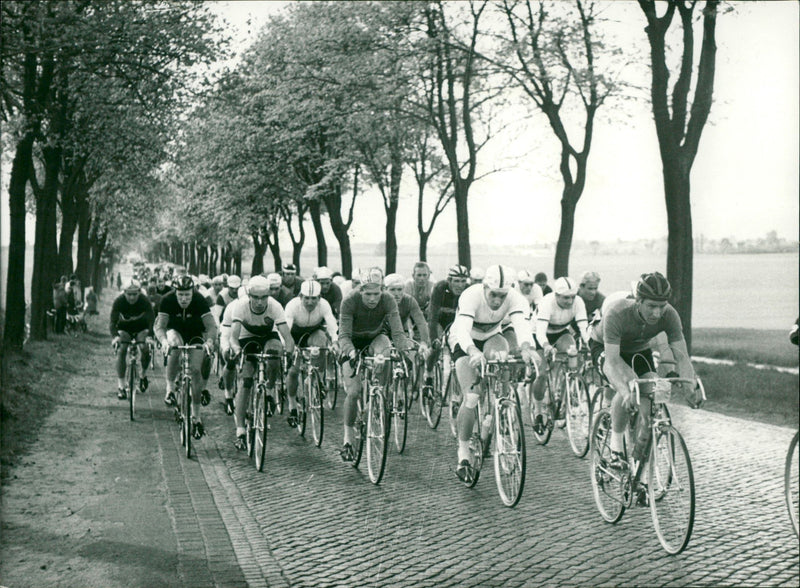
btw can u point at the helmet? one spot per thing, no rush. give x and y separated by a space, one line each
217 280
653 287
133 286
183 282
310 288
289 268
476 274
524 276
234 281
498 277
322 273
258 286
274 279
458 271
565 286
394 280
373 275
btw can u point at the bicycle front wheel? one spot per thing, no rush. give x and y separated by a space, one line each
453 402
260 426
186 424
509 452
132 390
315 409
608 486
360 427
578 416
433 398
331 380
670 488
791 482
400 413
377 435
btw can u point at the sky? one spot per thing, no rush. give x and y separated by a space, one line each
744 179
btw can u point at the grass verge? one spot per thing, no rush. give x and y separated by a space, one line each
765 396
746 346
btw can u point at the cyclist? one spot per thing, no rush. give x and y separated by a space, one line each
623 334
351 285
363 315
162 287
410 312
541 280
255 319
557 311
529 288
587 290
131 320
226 296
222 313
290 280
476 334
475 276
330 291
278 291
182 316
444 301
311 324
420 286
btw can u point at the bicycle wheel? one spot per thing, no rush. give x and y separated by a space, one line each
399 410
475 450
360 427
302 415
509 452
578 416
260 426
607 484
453 402
186 424
433 399
670 490
331 381
132 384
315 408
791 481
377 434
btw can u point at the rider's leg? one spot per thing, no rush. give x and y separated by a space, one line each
242 400
466 415
195 363
380 346
173 361
122 353
352 386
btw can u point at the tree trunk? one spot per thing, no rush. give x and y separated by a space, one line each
316 220
69 222
84 253
14 333
680 262
333 202
462 222
274 244
423 246
237 261
45 249
395 177
259 248
564 245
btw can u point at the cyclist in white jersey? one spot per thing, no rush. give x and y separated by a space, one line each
228 356
557 311
476 334
312 324
255 319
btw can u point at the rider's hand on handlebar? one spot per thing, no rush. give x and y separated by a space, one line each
476 359
527 355
115 343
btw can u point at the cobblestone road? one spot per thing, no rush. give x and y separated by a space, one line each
311 520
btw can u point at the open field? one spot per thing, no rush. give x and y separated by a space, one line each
770 347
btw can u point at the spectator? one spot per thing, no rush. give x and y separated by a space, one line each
60 306
91 301
119 281
541 280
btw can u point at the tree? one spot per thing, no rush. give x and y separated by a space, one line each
556 67
678 130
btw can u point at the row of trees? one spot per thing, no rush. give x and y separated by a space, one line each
331 99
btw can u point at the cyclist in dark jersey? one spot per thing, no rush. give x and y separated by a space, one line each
444 302
131 320
182 316
330 291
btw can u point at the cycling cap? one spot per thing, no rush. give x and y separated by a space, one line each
204 279
310 288
653 287
133 286
290 268
373 275
322 273
339 280
274 279
498 277
524 276
458 271
183 282
234 281
258 286
394 280
476 273
217 280
565 286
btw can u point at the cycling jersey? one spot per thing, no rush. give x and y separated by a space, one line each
225 326
189 321
409 309
334 298
442 306
622 325
131 318
552 320
301 321
594 304
360 325
475 321
260 325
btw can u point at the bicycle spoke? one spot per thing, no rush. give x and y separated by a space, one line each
607 485
509 453
671 490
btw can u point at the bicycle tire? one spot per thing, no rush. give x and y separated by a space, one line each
186 425
331 380
509 452
316 409
434 399
791 481
377 435
670 489
260 421
360 428
132 389
579 416
475 450
302 406
606 488
399 409
453 406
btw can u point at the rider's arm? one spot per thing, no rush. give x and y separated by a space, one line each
149 316
618 372
681 354
581 318
346 325
419 321
461 330
160 327
114 319
395 325
292 308
542 322
537 295
330 320
236 329
286 333
209 328
433 310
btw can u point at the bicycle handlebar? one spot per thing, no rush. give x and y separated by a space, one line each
635 383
